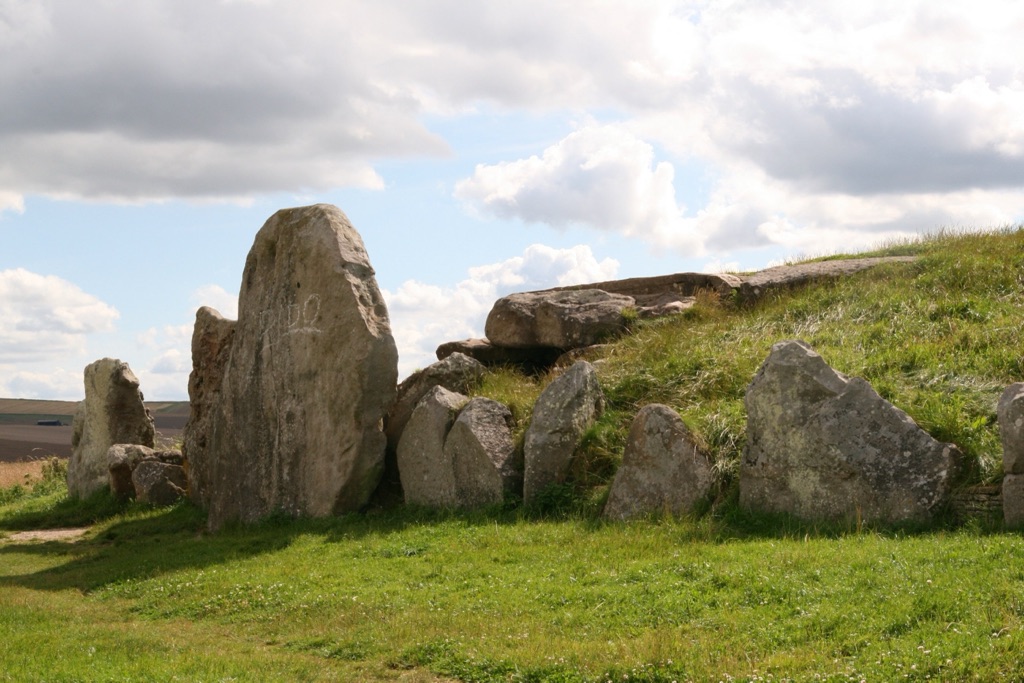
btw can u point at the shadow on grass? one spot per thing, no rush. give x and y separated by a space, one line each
140 542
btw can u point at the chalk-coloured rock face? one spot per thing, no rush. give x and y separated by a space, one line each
662 468
562 413
1011 428
823 446
112 412
483 454
311 370
425 468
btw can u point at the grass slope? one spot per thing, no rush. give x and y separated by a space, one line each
551 593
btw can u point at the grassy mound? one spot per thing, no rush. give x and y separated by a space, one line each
939 338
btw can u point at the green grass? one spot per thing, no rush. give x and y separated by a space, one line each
551 593
498 596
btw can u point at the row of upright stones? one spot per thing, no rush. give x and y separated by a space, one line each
296 408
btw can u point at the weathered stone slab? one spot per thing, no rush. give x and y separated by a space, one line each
483 456
112 412
663 470
563 412
557 319
1013 500
824 446
1011 428
312 369
425 468
159 483
528 360
212 338
753 287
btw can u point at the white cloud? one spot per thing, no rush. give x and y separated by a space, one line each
423 316
601 176
45 317
218 298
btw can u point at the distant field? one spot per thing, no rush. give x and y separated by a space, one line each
21 439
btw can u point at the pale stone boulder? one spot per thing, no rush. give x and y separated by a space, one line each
486 467
457 372
112 412
212 338
158 482
558 319
822 446
563 412
311 370
1011 428
425 468
663 469
1013 500
159 485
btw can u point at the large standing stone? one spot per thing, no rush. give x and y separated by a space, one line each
558 319
824 446
563 412
1011 428
426 470
311 370
112 412
663 469
483 455
1013 500
212 338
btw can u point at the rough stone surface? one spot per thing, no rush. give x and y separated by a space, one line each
824 446
754 287
557 319
528 360
123 459
647 291
1013 500
212 337
482 453
457 372
562 413
159 483
1011 428
112 412
425 469
311 370
662 471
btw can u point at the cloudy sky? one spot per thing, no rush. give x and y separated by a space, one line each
479 147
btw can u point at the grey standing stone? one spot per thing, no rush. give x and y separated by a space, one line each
1013 500
311 370
563 412
112 412
663 469
426 470
1011 428
824 446
212 338
480 448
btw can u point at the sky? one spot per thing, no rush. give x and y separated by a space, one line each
479 148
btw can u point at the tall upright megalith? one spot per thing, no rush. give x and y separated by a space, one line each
309 371
113 412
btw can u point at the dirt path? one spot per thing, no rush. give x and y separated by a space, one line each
49 535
